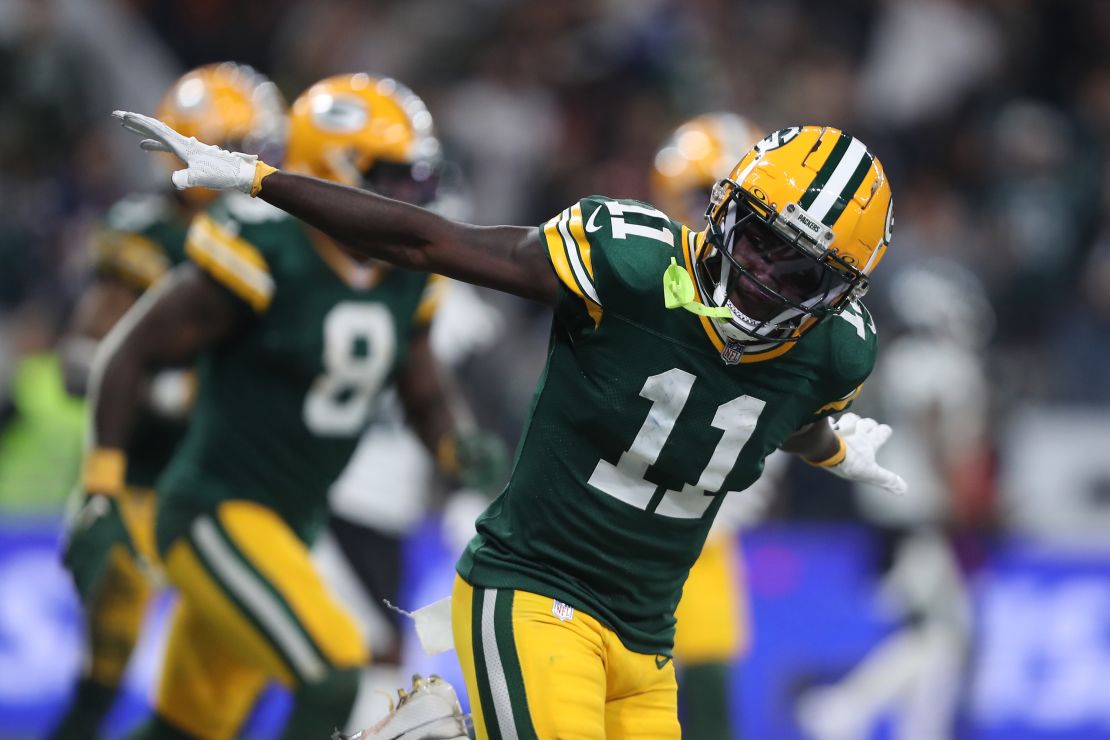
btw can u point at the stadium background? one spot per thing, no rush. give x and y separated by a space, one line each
991 116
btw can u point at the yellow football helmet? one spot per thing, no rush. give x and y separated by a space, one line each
368 132
794 233
698 154
229 105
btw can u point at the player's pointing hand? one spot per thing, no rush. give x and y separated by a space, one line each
207 166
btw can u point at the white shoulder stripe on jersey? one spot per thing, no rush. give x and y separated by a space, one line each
257 597
575 258
838 180
499 686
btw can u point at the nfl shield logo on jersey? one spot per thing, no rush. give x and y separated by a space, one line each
565 612
732 352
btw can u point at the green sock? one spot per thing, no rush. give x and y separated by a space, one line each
320 708
703 701
86 710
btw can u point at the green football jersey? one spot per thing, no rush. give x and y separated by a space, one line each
141 239
639 427
280 406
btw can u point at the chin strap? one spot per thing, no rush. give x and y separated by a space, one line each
678 292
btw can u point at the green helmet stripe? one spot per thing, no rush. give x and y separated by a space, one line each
825 172
849 190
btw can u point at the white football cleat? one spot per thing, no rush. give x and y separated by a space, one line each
429 711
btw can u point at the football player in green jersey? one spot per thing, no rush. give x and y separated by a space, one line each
293 340
142 238
678 361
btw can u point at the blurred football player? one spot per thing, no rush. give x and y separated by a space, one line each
141 239
294 341
678 361
712 628
933 382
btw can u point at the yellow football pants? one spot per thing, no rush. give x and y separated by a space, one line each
535 668
712 617
252 607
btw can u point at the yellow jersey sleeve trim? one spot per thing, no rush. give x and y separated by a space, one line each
235 262
133 258
841 404
563 249
434 292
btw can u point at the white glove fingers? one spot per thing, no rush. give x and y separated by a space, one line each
180 179
154 145
891 481
149 128
881 435
135 123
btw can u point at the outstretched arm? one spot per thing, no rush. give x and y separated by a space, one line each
506 258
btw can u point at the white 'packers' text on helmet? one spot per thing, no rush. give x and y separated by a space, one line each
367 132
229 105
694 158
794 233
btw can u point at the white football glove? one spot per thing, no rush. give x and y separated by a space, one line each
207 166
862 439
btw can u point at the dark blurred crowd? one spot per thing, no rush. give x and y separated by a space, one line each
991 117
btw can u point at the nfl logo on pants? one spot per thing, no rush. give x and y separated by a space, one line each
564 612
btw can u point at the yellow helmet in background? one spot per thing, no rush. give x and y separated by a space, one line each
366 132
229 105
795 232
698 154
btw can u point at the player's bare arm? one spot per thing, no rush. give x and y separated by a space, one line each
168 327
506 258
813 442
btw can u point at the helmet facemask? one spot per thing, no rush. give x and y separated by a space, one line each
774 271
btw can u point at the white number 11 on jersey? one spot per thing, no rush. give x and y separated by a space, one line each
668 393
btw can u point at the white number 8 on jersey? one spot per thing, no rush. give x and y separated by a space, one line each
340 398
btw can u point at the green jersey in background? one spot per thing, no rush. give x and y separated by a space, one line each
281 406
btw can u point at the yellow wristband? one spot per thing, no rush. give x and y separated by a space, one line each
261 172
104 471
835 459
447 455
